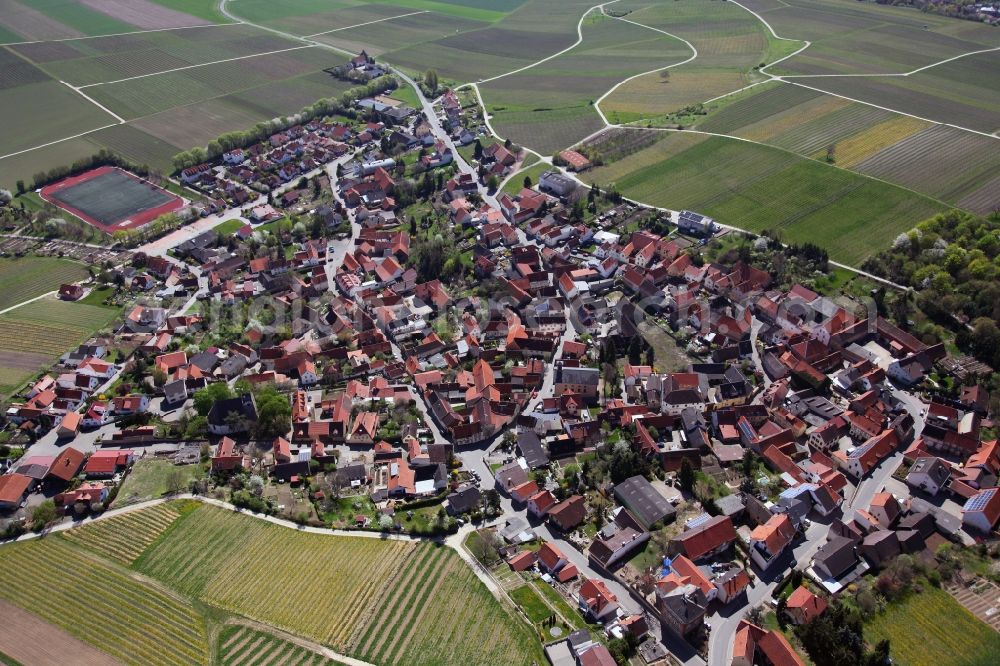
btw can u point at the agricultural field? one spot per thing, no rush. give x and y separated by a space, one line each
335 591
931 627
240 645
756 187
865 38
964 166
176 89
102 604
27 277
550 107
963 92
730 43
25 638
123 538
33 336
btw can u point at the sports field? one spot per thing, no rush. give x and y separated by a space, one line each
756 187
111 199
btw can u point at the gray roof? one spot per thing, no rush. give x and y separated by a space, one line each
648 505
530 446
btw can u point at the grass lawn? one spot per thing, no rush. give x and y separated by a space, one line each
536 609
97 296
556 601
230 227
933 628
148 480
516 181
407 96
27 277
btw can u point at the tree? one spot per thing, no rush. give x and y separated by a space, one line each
477 150
686 475
176 480
43 515
492 183
208 396
527 182
20 187
274 413
431 80
635 350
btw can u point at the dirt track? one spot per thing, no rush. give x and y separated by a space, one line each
31 640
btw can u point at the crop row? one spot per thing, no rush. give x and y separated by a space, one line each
125 537
132 622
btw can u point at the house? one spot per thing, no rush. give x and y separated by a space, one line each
708 537
682 606
569 513
70 425
66 465
769 541
886 509
596 601
695 224
645 502
835 558
982 511
575 160
71 292
551 558
85 497
929 473
803 606
105 463
13 489
233 415
464 500
227 458
364 429
616 542
523 561
540 503
754 645
127 405
556 183
511 476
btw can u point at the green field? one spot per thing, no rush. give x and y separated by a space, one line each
148 480
26 277
240 645
359 599
931 627
389 602
730 43
123 538
550 107
529 601
516 182
755 187
33 336
102 604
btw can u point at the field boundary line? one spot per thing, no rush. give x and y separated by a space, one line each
93 101
786 79
297 640
900 74
52 143
579 40
358 25
694 54
185 67
122 34
30 300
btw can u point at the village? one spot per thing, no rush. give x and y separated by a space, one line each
378 322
